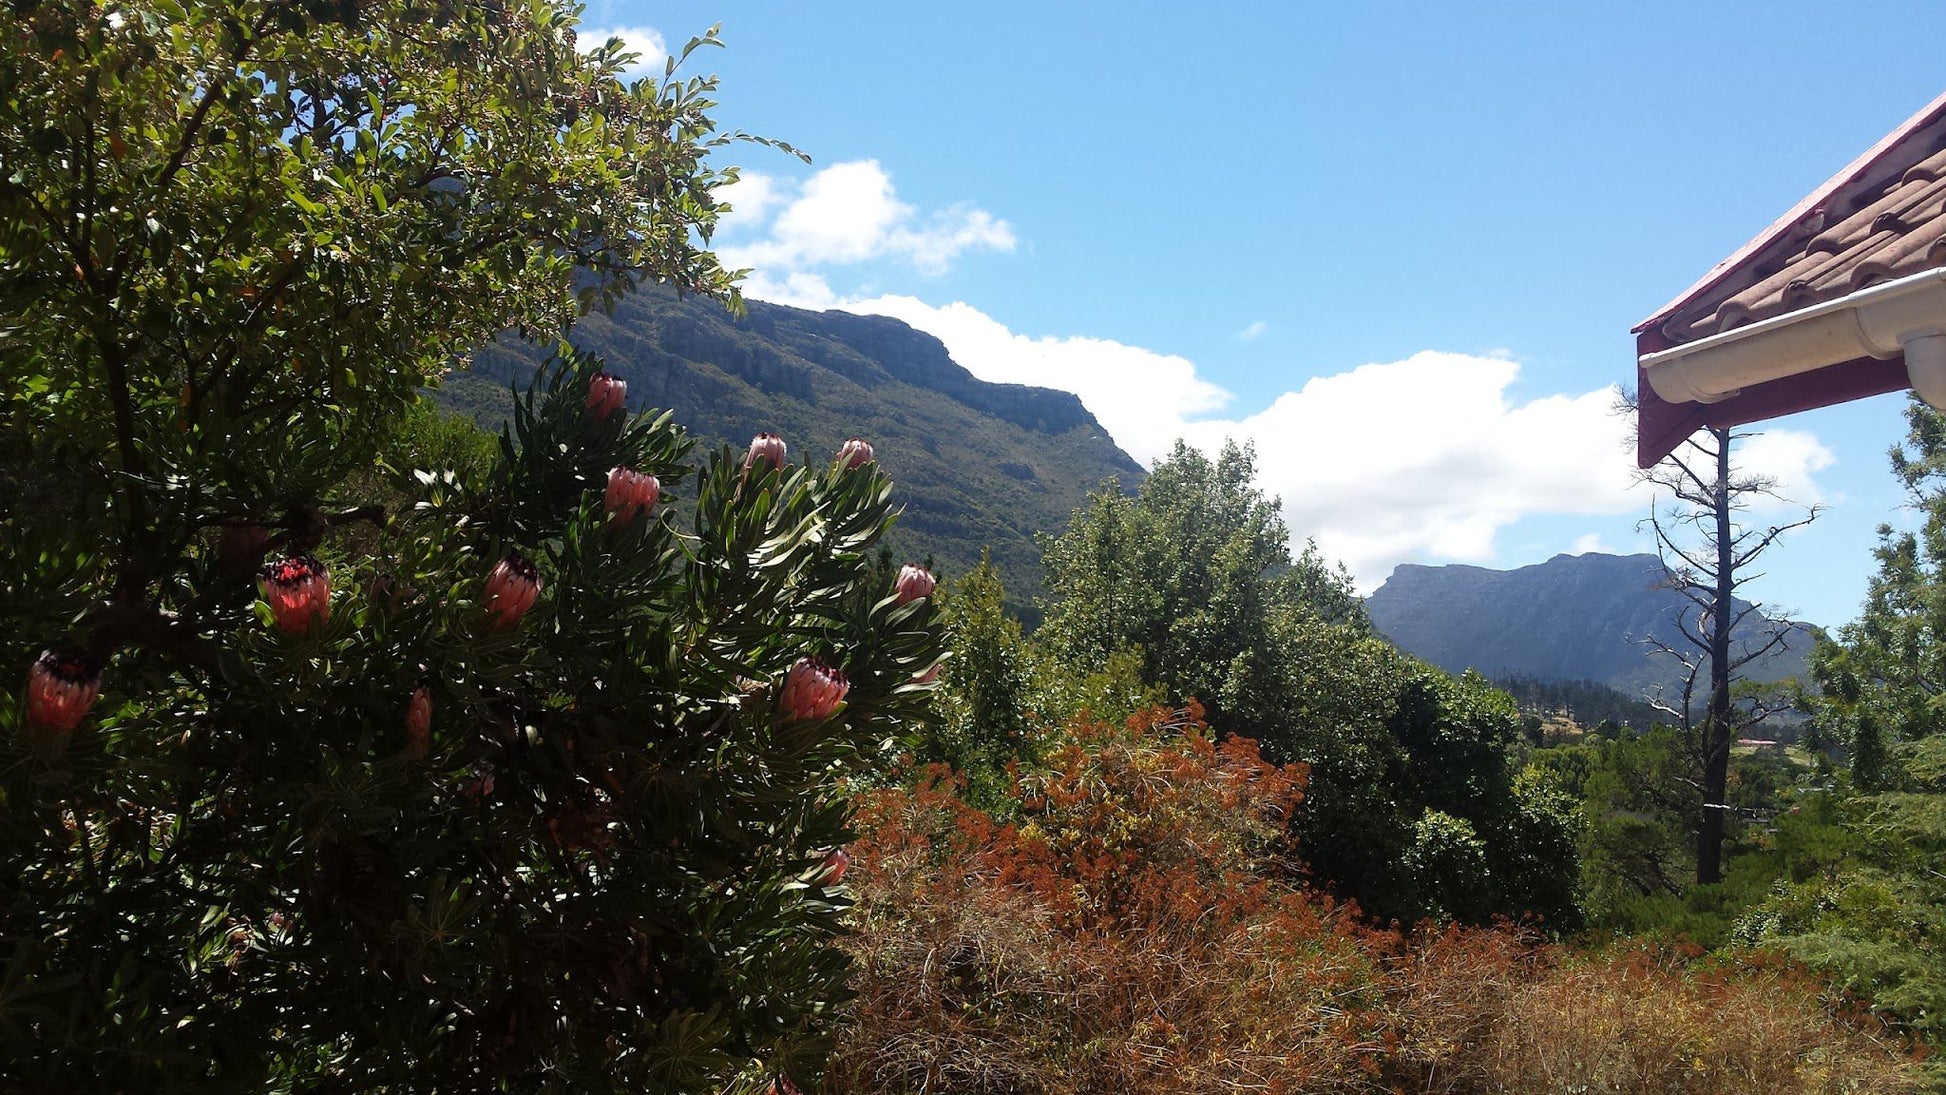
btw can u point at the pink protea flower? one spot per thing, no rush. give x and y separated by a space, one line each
606 394
631 494
418 724
61 688
929 676
915 582
511 590
831 869
298 590
765 448
855 452
812 691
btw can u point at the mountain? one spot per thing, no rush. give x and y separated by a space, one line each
976 464
1574 617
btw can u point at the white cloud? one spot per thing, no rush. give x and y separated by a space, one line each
645 42
798 289
1790 458
1141 397
1426 458
1422 458
850 213
1590 542
751 198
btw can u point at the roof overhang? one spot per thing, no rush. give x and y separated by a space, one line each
1876 340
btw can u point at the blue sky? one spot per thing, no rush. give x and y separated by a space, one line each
1400 246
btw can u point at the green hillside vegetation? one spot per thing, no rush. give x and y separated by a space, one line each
981 467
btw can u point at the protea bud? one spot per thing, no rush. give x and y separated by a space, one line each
418 724
298 590
765 448
606 394
855 452
240 549
929 676
812 691
831 869
510 590
631 494
915 582
61 688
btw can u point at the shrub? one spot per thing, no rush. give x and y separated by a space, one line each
1139 927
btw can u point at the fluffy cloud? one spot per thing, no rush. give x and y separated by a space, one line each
1789 458
1141 397
1424 458
645 42
845 214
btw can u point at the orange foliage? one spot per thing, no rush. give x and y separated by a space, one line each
1140 929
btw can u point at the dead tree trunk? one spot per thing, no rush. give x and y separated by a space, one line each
1708 554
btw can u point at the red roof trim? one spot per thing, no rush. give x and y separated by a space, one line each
1816 198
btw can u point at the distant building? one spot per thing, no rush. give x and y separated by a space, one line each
1841 298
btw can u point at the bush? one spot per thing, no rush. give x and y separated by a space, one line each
1139 928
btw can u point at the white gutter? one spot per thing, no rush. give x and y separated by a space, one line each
1907 316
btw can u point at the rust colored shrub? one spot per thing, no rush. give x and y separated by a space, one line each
1139 929
1130 933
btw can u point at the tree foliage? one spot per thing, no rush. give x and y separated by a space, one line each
536 795
1874 908
1411 770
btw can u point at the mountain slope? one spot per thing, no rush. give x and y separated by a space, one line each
1574 617
977 464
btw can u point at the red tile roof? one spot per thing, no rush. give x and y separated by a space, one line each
1877 219
1881 218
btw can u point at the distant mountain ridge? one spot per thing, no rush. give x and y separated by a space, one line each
1574 617
978 464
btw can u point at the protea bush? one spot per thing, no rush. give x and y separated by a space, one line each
365 757
545 878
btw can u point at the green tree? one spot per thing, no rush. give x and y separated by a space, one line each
1410 768
516 776
1195 575
983 703
1872 907
1882 677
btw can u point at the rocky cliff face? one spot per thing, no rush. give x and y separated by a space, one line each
979 465
1574 617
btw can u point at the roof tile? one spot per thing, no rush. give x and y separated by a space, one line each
1892 225
1882 217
